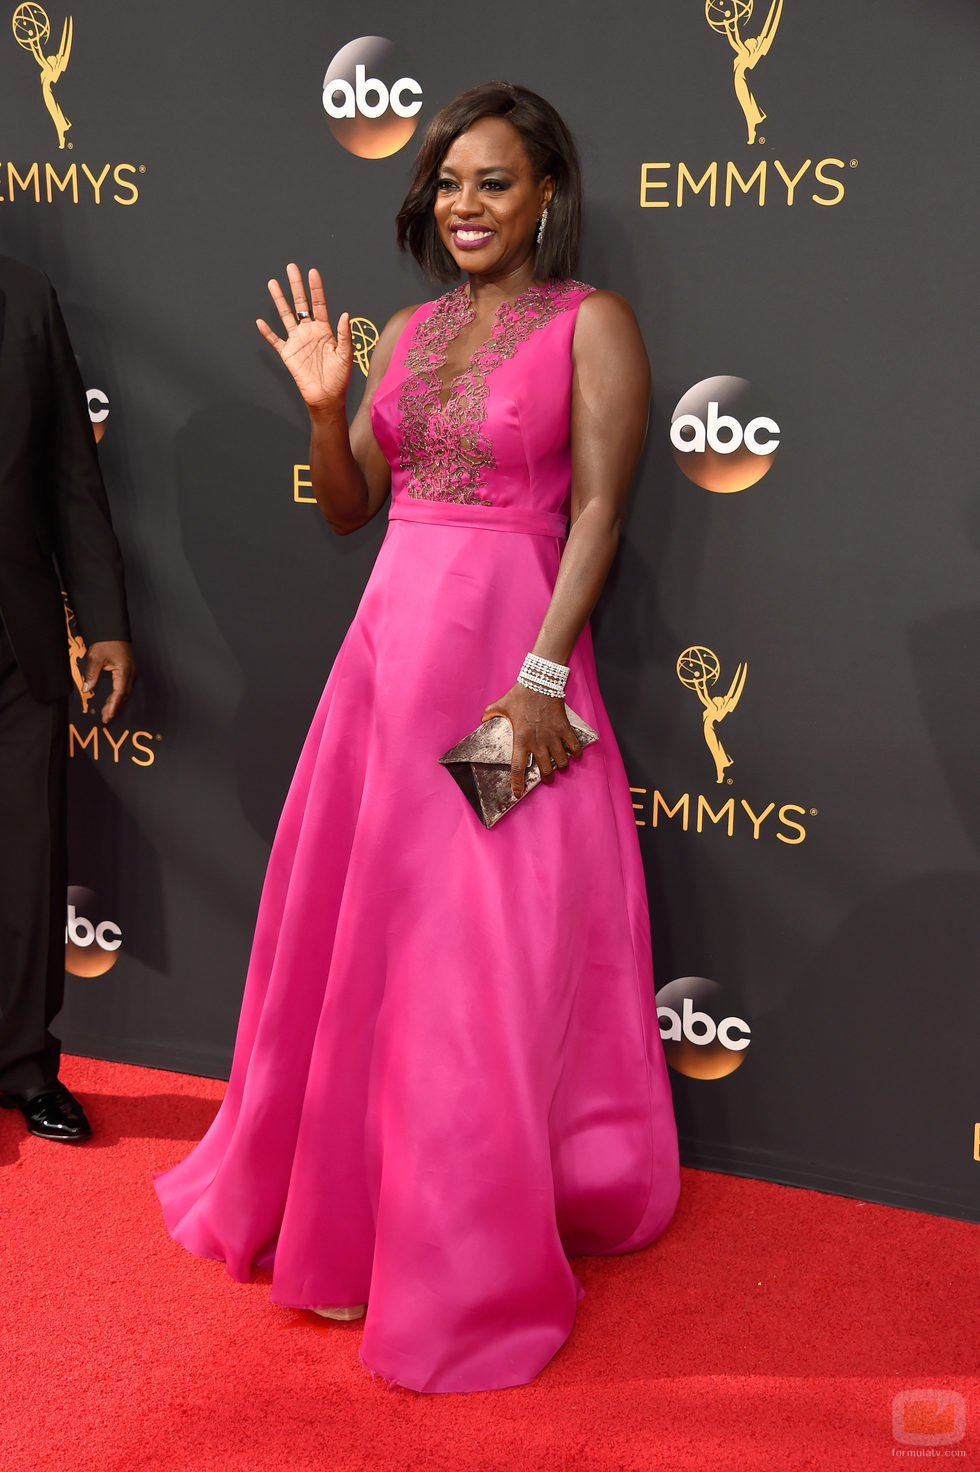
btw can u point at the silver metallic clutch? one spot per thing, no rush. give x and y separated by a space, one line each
480 763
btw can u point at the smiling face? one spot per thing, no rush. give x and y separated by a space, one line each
488 201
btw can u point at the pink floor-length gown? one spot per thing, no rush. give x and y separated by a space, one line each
448 1072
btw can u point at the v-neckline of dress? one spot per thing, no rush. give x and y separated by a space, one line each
444 449
459 303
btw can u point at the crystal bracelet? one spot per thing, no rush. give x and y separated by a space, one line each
543 676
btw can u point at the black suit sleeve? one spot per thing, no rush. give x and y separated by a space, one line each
87 550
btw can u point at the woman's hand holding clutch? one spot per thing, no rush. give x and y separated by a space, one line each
541 730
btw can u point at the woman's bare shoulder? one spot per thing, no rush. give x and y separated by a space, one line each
603 311
606 322
396 324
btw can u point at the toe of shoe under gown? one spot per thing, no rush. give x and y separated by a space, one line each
448 1076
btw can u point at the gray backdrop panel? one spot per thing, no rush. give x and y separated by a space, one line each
845 580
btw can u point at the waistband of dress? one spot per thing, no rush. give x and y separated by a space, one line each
482 518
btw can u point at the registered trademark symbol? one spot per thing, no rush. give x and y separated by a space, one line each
813 812
760 140
71 145
158 737
729 780
854 163
142 168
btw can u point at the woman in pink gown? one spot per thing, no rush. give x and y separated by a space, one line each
448 1075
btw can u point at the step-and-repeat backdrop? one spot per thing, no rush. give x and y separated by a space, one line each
789 642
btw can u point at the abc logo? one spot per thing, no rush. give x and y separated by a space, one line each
699 1039
91 943
98 411
371 100
721 441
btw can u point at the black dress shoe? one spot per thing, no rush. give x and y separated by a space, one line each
53 1114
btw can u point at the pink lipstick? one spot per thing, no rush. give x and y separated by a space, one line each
470 237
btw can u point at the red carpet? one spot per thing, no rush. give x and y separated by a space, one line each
769 1329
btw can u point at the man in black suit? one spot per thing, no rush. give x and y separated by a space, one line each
55 532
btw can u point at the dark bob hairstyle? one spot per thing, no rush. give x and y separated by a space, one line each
551 150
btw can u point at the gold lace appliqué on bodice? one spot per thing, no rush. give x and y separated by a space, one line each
443 448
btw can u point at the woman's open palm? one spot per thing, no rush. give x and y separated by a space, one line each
319 360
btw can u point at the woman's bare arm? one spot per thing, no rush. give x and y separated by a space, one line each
349 474
610 405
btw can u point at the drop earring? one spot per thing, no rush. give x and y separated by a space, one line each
541 224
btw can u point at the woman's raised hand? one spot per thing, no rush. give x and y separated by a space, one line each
319 360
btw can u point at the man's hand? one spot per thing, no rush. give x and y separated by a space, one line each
116 656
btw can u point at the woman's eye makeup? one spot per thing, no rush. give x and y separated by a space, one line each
495 186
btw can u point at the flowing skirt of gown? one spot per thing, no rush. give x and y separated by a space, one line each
448 1072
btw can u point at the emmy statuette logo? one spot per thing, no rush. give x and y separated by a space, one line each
77 649
365 338
726 18
98 741
698 669
371 100
32 30
58 180
762 179
98 413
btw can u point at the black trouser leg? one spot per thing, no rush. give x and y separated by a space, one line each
33 878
